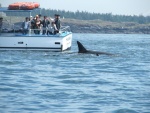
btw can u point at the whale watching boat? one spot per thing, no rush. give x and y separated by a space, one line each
11 37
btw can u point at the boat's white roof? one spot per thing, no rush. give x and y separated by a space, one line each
5 9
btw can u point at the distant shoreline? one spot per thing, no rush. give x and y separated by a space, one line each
98 26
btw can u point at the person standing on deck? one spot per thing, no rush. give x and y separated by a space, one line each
26 26
45 24
32 22
52 29
57 22
37 25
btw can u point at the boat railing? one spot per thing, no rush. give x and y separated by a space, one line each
65 29
18 31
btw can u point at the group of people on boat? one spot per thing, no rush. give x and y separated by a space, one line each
47 25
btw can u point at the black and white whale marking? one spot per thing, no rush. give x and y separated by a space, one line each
82 49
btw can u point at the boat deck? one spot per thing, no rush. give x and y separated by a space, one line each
63 34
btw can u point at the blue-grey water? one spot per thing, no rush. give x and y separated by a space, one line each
68 82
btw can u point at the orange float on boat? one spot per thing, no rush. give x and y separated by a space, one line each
27 6
23 6
37 5
14 6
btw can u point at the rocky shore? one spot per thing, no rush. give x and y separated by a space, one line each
98 26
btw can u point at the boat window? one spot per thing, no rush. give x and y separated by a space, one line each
6 26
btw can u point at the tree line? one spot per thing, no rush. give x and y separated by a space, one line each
83 15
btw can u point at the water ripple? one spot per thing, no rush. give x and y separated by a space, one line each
68 82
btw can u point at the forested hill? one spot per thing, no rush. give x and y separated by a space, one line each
85 22
94 16
83 15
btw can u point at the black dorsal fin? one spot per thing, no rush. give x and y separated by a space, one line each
81 48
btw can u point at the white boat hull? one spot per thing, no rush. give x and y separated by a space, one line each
50 43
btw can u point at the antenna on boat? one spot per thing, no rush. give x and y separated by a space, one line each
40 11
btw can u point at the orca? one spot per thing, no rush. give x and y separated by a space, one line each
82 49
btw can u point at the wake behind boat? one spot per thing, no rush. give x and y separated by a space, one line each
11 39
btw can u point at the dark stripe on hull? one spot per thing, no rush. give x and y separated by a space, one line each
33 48
28 48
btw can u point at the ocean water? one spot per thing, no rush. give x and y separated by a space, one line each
68 82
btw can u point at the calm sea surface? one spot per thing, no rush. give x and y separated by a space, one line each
68 82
